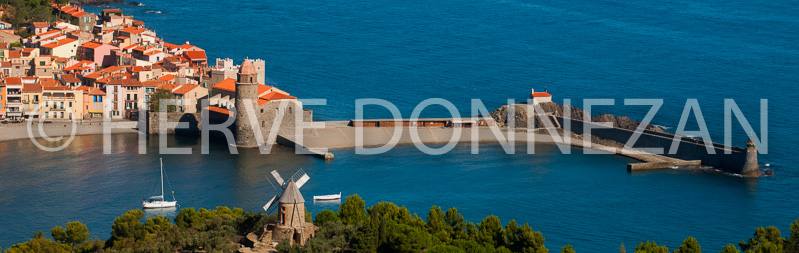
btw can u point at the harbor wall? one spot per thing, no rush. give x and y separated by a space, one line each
193 121
738 161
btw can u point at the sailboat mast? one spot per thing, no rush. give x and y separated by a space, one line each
162 177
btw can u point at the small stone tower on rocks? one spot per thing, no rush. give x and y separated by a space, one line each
751 167
246 92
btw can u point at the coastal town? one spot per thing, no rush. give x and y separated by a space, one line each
109 66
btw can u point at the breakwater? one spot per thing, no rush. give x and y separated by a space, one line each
727 158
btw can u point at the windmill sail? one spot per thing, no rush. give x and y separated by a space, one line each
277 178
303 179
269 204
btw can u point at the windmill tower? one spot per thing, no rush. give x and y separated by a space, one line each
291 210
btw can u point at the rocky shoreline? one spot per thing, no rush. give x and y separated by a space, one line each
95 2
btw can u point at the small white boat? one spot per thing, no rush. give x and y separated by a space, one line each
158 201
328 197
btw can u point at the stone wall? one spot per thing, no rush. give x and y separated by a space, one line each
194 121
623 128
688 149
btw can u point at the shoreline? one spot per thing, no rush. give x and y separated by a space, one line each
337 137
19 131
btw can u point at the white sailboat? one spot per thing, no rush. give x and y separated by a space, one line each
158 201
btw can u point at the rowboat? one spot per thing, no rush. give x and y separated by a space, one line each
328 197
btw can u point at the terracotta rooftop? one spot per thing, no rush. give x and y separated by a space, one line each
185 89
541 94
228 84
14 81
97 92
59 43
196 55
31 87
276 96
70 78
217 109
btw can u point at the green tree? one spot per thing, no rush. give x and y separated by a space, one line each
764 240
155 101
326 216
730 249
567 249
40 244
489 231
127 229
437 225
622 249
523 238
353 210
446 249
75 234
457 222
650 247
689 245
157 225
791 243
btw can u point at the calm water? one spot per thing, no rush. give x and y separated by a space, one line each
407 51
589 201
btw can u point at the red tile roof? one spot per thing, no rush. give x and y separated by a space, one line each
185 89
40 24
167 86
90 44
31 87
97 91
541 94
70 78
153 83
167 78
14 81
196 55
227 85
276 96
48 82
217 109
85 89
59 43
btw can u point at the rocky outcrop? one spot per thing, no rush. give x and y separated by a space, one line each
95 2
500 115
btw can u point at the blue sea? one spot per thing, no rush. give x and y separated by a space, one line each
494 50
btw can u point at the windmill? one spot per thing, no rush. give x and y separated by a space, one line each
299 178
